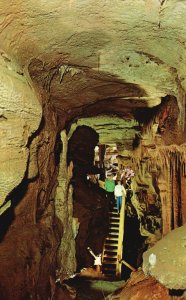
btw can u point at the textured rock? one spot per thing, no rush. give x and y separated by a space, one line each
169 268
111 129
20 116
86 58
30 231
66 262
134 50
140 287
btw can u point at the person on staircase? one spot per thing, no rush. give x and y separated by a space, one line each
129 173
119 192
109 188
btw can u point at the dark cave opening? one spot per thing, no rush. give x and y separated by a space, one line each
89 201
81 150
133 245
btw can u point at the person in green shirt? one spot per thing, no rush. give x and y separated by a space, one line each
109 188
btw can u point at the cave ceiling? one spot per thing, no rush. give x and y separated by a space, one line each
111 129
96 57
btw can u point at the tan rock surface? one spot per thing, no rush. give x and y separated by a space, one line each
86 58
131 50
170 252
20 115
140 287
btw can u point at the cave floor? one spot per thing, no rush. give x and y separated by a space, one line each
95 289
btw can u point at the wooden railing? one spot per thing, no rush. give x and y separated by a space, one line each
120 239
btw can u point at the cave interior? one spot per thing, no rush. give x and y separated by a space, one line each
86 87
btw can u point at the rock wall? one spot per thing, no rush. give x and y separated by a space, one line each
140 286
168 265
113 59
158 159
20 116
30 231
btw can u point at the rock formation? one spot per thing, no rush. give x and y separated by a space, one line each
169 268
116 68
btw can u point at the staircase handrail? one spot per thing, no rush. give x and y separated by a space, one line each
120 238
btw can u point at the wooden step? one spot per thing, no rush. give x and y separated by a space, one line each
110 249
113 232
114 220
108 244
107 263
113 235
114 224
110 255
111 239
111 268
110 252
113 213
113 228
114 217
107 260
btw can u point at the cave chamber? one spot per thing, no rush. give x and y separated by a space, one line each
81 83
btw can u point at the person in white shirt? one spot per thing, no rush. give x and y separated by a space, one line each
119 191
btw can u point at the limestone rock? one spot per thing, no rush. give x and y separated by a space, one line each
111 129
140 287
170 260
133 51
20 115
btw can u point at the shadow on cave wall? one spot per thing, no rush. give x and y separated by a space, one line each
19 192
8 216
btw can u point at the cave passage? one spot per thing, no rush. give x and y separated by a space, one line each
93 163
91 90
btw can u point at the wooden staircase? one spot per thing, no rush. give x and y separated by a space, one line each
113 246
109 259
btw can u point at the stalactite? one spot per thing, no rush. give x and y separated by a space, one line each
166 165
181 105
171 183
183 170
165 198
175 191
179 217
176 157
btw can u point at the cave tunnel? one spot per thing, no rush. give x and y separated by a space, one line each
89 160
87 89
